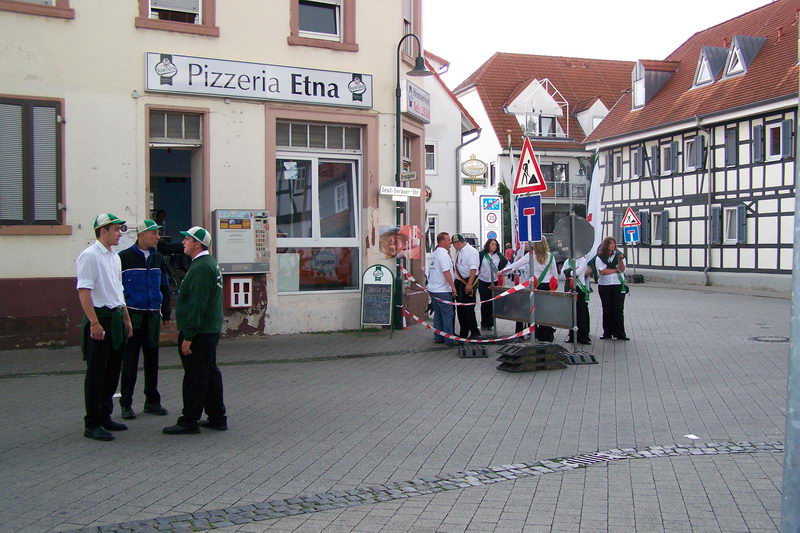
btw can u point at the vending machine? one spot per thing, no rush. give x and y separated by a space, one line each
241 246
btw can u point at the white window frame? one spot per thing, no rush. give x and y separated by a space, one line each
655 228
340 201
769 155
617 166
337 37
634 162
704 76
666 159
638 93
435 154
688 150
316 240
734 222
408 26
737 59
198 21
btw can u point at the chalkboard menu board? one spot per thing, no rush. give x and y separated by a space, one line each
376 296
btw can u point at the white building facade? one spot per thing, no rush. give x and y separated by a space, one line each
197 106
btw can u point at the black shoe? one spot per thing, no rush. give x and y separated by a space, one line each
569 339
127 413
178 429
111 425
97 433
623 338
585 341
155 410
208 425
606 337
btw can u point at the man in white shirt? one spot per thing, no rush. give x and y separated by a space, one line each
106 325
468 261
441 286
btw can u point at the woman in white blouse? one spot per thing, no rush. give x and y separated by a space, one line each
492 262
545 270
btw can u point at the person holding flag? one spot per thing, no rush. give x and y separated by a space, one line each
581 288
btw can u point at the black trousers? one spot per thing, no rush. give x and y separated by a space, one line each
487 308
544 333
103 364
581 319
202 382
613 310
467 322
130 367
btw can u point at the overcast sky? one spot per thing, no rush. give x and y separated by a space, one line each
468 32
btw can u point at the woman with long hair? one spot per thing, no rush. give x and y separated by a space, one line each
492 262
610 265
545 272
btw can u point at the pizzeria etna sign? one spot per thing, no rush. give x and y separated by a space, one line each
170 73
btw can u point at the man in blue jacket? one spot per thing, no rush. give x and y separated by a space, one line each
144 279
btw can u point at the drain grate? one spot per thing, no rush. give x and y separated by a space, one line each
593 459
769 338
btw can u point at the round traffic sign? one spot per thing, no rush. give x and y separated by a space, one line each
491 235
491 218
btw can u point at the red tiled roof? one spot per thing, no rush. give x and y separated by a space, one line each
772 74
577 79
452 96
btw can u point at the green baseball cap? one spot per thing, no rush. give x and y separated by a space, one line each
147 225
104 219
199 234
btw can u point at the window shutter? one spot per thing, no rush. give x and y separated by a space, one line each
640 161
45 181
786 139
741 223
664 227
674 156
617 229
11 181
730 147
644 230
609 168
655 155
184 6
758 143
699 154
716 224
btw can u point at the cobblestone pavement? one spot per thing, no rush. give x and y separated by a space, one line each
345 412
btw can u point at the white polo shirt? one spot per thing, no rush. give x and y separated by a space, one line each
100 270
468 258
440 263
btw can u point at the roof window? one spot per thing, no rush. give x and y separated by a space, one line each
741 54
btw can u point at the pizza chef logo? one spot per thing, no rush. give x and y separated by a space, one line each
166 69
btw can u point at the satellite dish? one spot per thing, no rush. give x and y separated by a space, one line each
573 236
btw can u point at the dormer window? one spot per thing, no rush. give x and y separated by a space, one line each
712 59
741 54
547 126
735 64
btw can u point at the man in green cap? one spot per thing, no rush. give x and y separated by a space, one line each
105 327
144 279
199 317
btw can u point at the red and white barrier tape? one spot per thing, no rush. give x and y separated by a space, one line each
512 290
526 331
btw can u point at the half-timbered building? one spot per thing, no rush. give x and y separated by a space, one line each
703 149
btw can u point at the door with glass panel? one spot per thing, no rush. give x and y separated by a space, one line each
317 223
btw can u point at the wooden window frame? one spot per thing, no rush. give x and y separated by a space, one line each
207 26
348 29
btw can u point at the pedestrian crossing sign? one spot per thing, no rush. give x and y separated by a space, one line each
529 178
630 219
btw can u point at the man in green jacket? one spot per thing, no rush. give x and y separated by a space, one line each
199 319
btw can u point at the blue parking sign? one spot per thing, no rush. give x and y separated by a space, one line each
631 234
529 213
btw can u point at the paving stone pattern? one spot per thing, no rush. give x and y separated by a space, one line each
322 425
311 503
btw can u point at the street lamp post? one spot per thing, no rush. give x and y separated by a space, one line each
418 71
